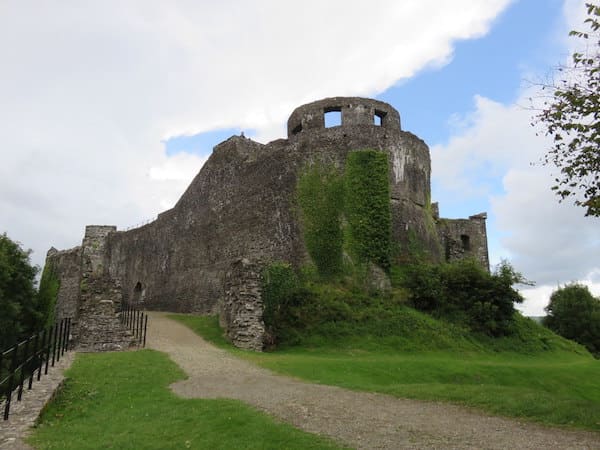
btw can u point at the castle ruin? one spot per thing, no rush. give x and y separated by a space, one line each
206 254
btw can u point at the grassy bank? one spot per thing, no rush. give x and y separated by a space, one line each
122 401
543 378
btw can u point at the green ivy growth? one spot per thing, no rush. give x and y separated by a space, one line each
48 293
281 293
321 199
367 207
362 197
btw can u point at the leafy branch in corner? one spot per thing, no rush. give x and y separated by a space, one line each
572 118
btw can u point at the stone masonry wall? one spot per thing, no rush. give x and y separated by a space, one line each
97 326
67 267
241 309
462 238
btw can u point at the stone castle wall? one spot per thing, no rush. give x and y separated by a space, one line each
89 295
464 237
203 255
67 267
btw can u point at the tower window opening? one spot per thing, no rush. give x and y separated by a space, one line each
297 129
466 242
378 118
333 117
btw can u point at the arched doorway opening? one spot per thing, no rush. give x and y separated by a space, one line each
138 294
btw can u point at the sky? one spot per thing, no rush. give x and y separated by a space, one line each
109 109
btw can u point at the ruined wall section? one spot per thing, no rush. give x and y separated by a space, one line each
67 268
241 310
465 238
97 326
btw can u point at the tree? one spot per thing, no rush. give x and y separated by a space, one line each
18 313
574 313
572 118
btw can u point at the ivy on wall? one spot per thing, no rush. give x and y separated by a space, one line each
48 293
281 292
321 199
362 197
367 207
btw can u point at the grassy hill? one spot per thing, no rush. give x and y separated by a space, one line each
532 374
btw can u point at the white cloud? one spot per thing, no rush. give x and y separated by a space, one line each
179 167
495 154
90 89
485 143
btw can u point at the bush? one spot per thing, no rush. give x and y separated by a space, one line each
282 294
462 292
574 313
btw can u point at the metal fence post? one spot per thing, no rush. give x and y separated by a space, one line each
145 329
63 348
68 334
137 326
11 381
58 347
54 343
48 348
31 360
22 365
41 352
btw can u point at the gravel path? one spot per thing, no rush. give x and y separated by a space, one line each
358 419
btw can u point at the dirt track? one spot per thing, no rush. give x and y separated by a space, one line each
357 419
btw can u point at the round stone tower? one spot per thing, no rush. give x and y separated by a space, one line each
335 126
352 111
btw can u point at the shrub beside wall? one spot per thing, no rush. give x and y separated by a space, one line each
462 292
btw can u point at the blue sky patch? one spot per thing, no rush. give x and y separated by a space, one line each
201 144
519 42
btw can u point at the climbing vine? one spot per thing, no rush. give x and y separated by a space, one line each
321 199
48 293
362 197
367 207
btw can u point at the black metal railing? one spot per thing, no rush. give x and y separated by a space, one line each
27 359
136 321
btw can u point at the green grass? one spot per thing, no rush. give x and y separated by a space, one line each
122 401
545 378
